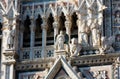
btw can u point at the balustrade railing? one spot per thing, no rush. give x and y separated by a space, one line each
37 53
49 52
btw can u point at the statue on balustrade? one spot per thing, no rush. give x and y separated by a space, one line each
75 48
83 32
106 45
10 39
61 40
96 32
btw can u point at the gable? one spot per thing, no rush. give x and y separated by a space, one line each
61 69
61 74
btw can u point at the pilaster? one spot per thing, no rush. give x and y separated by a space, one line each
5 31
9 62
9 47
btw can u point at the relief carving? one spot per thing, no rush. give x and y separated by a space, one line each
95 31
106 45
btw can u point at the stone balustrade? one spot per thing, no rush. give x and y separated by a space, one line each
49 52
37 53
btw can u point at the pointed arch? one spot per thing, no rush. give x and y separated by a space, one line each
62 22
38 31
50 30
50 21
26 33
48 12
74 27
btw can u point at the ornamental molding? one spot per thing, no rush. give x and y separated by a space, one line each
95 59
35 64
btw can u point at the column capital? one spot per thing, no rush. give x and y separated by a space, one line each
68 24
56 18
55 24
32 26
21 27
44 26
44 18
68 17
79 16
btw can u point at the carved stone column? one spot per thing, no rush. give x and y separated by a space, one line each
55 26
44 36
21 35
32 37
68 25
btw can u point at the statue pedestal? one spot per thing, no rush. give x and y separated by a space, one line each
10 56
60 53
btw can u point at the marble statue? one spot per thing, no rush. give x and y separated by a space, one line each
75 48
10 39
83 36
106 45
59 45
117 17
95 31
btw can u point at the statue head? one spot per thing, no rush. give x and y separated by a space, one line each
74 41
61 32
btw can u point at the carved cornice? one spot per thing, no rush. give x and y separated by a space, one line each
95 59
35 64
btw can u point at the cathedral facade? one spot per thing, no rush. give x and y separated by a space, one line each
60 39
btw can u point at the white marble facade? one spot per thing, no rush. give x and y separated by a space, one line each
38 36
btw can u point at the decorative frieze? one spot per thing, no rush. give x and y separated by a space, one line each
94 59
35 64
